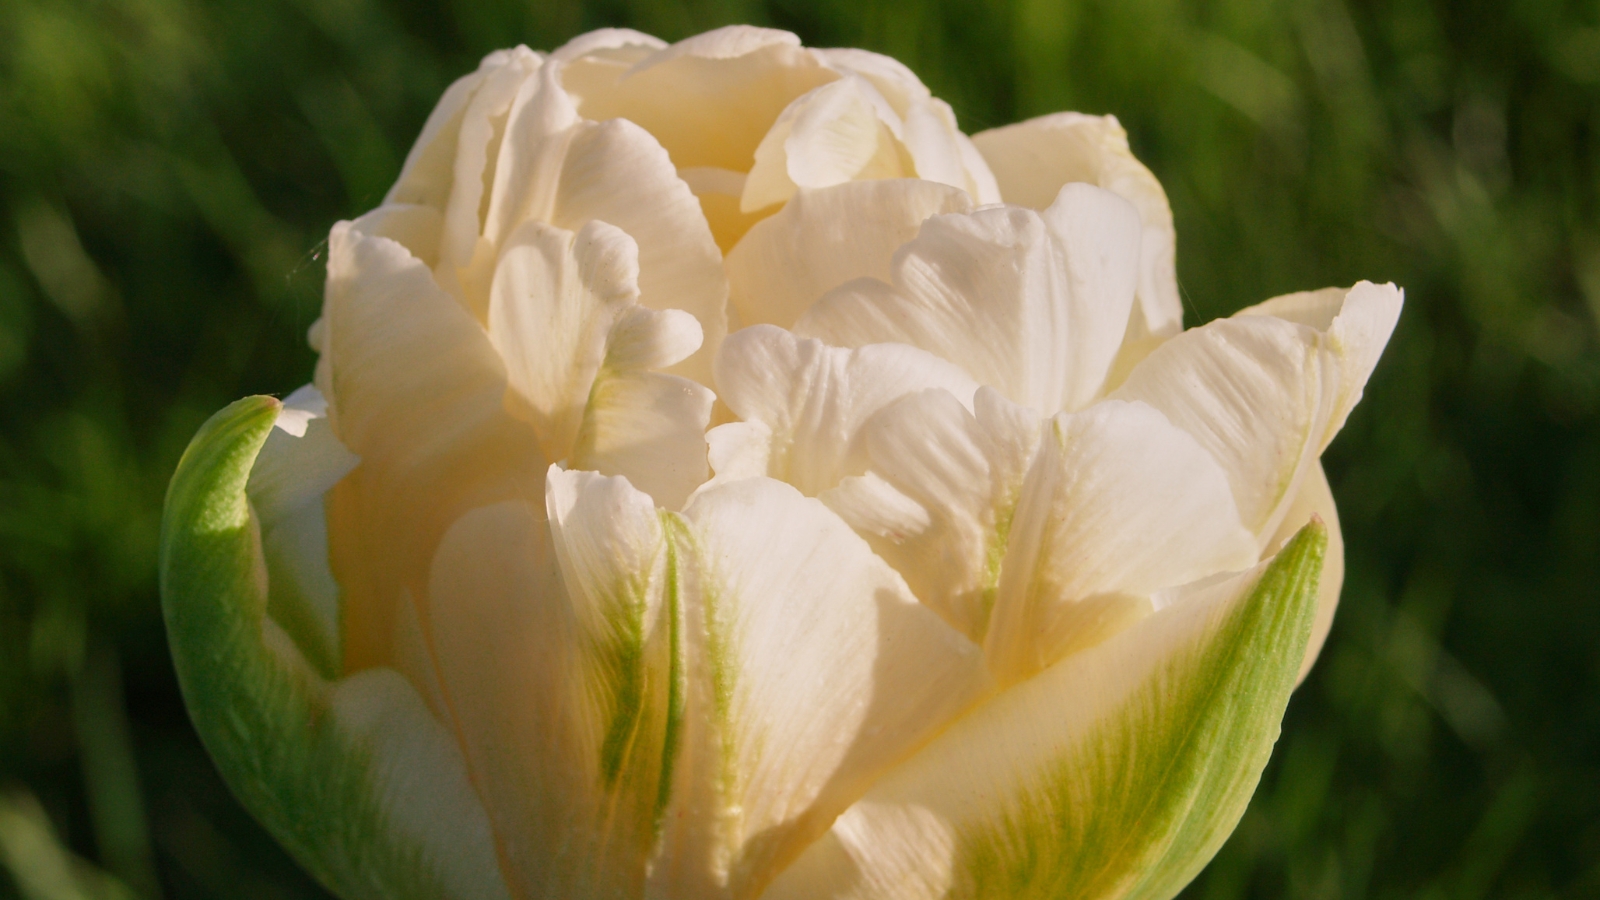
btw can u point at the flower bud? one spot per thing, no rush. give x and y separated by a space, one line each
723 478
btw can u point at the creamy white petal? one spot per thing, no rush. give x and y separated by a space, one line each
718 191
416 389
727 42
841 131
938 501
540 126
887 518
899 87
650 339
420 777
650 428
815 669
477 151
551 652
709 99
1118 504
567 172
985 189
1313 309
554 300
603 39
578 352
429 171
1357 324
815 398
823 238
1102 246
937 147
300 461
930 132
1031 161
739 450
413 655
1116 773
680 266
1001 294
712 179
609 541
1258 393
416 227
504 638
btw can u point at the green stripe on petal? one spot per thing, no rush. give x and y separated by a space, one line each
355 777
1116 773
812 669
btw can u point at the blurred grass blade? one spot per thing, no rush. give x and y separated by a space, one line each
110 772
40 866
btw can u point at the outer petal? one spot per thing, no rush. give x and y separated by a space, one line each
1119 504
415 227
609 44
814 399
416 390
1257 393
1117 773
1003 294
1356 323
814 671
355 777
1031 161
823 238
555 650
1265 394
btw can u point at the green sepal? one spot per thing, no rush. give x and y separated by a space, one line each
321 764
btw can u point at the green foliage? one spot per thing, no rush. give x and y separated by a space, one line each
168 169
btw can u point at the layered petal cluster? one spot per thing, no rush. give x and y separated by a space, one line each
724 478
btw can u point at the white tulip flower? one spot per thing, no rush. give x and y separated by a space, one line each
724 479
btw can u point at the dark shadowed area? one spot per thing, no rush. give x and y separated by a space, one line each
170 168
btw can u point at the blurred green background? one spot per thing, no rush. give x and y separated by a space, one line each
169 169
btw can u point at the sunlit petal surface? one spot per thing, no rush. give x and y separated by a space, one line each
723 478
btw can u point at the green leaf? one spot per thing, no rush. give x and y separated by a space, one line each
355 777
